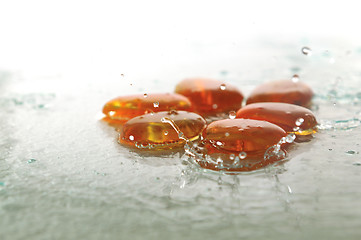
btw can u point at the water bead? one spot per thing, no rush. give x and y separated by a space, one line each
290 117
306 51
210 97
245 135
162 130
287 91
127 107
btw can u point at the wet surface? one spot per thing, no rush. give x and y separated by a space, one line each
64 176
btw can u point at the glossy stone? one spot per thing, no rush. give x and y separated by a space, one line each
162 130
290 117
127 107
243 135
210 97
287 91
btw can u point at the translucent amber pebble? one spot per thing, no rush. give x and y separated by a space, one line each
290 117
127 107
243 135
241 145
162 130
286 91
210 97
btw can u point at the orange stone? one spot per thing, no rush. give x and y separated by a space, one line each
127 107
162 130
210 97
290 117
243 135
286 91
237 145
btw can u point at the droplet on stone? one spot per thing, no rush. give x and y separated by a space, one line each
232 114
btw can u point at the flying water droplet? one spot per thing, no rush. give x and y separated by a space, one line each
306 51
156 104
223 86
166 133
295 78
232 114
131 138
145 95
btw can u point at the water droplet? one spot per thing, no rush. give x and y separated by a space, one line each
227 134
166 133
290 138
242 155
295 78
31 160
295 129
219 181
145 95
232 114
214 106
232 156
223 86
219 143
289 189
307 51
156 104
351 152
299 121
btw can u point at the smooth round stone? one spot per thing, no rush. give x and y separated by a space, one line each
210 97
162 130
243 135
286 91
126 107
290 117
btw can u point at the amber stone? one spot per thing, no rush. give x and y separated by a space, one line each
210 97
162 130
243 135
127 107
237 145
286 91
290 117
